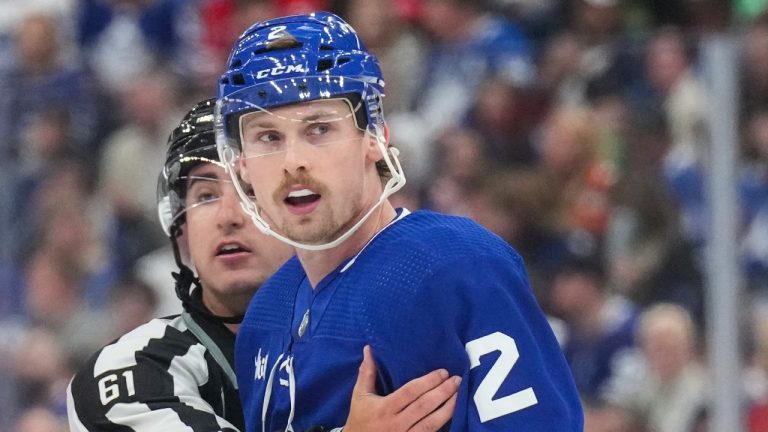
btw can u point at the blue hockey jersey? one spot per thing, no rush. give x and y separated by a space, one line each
430 291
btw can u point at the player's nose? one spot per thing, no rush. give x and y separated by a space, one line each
296 155
230 213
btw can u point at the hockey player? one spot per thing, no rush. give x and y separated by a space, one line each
176 373
299 118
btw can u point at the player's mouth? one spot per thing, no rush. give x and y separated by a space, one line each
302 201
231 250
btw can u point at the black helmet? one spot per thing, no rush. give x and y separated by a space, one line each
192 143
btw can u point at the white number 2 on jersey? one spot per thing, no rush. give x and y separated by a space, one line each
487 407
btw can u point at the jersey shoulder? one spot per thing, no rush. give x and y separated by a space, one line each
158 372
429 264
443 238
164 337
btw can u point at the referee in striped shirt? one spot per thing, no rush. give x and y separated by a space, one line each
176 373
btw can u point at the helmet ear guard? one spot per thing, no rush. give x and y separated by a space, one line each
165 214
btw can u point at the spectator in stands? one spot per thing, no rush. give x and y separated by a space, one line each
754 71
149 107
506 114
517 206
580 181
399 47
600 325
123 39
459 163
468 44
754 199
40 419
43 370
650 259
221 22
662 386
42 79
756 373
670 69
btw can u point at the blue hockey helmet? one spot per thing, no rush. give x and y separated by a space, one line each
298 59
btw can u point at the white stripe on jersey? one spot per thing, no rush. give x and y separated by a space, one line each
122 353
189 372
142 419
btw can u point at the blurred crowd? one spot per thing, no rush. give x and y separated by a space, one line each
577 130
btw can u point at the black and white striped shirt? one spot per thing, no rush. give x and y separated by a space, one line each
170 374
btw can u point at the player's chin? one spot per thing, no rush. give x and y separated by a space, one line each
244 284
309 234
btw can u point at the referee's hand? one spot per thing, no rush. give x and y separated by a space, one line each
424 404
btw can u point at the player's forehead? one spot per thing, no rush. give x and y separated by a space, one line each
311 111
209 170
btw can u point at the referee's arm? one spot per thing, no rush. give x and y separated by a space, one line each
108 402
143 384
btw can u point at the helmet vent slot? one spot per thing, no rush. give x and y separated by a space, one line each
342 60
237 79
326 48
286 41
236 63
324 64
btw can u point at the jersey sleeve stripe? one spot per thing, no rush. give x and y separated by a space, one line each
189 372
122 354
142 418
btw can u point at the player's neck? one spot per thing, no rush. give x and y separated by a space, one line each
318 264
228 305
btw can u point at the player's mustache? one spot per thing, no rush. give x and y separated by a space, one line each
290 180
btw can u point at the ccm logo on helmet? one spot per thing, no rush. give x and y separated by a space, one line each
280 70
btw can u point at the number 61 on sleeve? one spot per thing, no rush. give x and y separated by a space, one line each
109 386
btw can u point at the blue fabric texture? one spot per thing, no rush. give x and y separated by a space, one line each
430 291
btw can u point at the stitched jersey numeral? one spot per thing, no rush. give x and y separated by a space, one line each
487 407
109 386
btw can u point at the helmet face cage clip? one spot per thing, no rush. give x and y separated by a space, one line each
294 60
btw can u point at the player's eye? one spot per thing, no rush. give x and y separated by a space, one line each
268 137
318 129
266 142
203 197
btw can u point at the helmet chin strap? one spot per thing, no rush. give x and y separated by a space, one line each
395 183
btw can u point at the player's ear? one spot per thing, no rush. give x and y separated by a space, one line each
242 169
373 150
183 242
